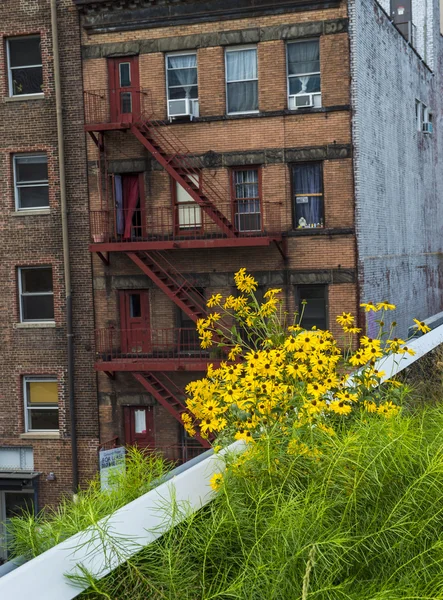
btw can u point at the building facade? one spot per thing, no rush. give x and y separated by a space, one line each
36 464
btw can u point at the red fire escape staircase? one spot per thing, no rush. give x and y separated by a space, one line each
169 397
157 267
177 160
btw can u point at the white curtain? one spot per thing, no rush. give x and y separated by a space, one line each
304 57
241 77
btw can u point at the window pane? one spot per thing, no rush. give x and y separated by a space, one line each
27 81
178 93
24 51
18 503
126 102
242 97
304 85
31 168
36 280
241 64
303 57
181 61
42 393
140 421
135 308
307 178
315 310
43 419
33 197
125 74
38 308
182 77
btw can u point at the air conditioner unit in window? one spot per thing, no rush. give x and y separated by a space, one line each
185 107
428 127
304 101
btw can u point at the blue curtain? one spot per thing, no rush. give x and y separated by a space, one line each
118 191
307 179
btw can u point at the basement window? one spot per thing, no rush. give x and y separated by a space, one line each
312 301
36 294
307 183
303 59
41 404
241 80
25 69
246 195
31 186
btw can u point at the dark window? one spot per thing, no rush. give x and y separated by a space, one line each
25 65
31 181
315 309
246 198
307 185
188 334
36 294
135 307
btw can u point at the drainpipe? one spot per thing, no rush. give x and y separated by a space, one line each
65 239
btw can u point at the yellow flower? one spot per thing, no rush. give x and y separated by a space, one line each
340 408
216 481
271 293
388 409
209 424
385 305
214 300
368 306
345 319
370 406
406 350
234 352
243 434
353 330
421 326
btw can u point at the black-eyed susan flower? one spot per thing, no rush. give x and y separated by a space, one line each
421 326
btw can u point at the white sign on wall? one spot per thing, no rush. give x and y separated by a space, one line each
111 461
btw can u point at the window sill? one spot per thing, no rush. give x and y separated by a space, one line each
36 325
320 231
24 98
43 435
31 212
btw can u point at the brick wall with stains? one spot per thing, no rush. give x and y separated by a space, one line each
398 168
27 126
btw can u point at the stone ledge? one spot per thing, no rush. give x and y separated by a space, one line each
30 212
43 435
24 98
42 325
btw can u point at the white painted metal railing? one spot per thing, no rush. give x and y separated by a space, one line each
144 520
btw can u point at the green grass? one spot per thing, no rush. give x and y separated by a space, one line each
365 522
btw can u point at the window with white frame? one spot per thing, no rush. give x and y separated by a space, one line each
303 59
423 117
241 80
41 403
182 85
31 187
25 69
36 294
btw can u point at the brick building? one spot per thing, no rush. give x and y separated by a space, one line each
272 135
35 425
262 136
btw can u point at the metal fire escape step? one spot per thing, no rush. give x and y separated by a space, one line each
171 282
180 168
167 398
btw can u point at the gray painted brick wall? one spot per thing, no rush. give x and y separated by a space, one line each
398 170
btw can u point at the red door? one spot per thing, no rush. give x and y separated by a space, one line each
124 89
134 318
139 426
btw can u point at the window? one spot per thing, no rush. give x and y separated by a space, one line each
188 212
36 294
307 183
188 338
304 74
423 117
246 197
315 308
181 75
41 403
241 80
25 69
31 186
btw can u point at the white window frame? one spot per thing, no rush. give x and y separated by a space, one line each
288 94
37 183
239 49
193 109
10 69
22 294
30 379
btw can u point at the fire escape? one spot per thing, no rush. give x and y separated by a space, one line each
150 355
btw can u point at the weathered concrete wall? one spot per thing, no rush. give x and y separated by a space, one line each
398 170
